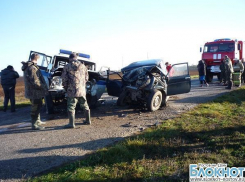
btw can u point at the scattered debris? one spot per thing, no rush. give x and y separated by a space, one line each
157 123
122 115
127 125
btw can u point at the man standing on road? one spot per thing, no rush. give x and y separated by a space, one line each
243 74
202 73
168 66
222 73
228 71
238 70
74 78
35 89
8 81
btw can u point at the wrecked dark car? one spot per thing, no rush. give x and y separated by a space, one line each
52 67
147 83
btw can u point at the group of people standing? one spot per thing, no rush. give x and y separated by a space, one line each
229 74
74 78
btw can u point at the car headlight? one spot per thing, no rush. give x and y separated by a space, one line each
56 83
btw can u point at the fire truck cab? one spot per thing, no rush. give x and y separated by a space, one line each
213 53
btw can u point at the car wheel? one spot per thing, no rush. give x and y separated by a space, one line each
122 99
49 104
154 100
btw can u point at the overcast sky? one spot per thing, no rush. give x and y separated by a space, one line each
116 32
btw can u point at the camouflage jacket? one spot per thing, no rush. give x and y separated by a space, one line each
74 78
238 66
228 66
35 85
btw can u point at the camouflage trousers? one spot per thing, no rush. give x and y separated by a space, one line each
72 102
36 105
228 77
236 78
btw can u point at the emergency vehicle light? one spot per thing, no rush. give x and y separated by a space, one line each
225 39
62 51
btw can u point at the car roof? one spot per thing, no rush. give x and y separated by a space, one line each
150 62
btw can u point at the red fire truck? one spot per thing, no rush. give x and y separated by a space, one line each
213 53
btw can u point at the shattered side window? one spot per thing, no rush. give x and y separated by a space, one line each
179 70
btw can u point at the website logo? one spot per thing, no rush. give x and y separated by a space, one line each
215 172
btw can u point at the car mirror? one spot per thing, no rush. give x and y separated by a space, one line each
200 49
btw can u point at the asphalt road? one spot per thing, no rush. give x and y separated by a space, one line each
25 153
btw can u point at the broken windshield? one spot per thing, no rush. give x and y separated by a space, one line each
228 47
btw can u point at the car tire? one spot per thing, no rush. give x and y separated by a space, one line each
154 100
121 101
49 104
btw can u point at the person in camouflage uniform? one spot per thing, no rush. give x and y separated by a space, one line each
74 78
243 74
35 89
222 73
238 70
228 71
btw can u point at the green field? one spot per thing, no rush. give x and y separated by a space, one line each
213 132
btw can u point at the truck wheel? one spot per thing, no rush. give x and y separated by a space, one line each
154 100
209 77
218 76
49 104
122 99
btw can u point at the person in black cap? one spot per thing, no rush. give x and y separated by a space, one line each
8 82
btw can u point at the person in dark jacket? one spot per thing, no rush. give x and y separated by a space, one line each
202 72
35 89
8 82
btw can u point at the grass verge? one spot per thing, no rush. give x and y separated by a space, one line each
19 102
213 132
194 76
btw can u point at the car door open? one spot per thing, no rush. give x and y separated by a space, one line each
43 61
178 79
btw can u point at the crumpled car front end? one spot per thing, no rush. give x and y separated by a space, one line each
140 83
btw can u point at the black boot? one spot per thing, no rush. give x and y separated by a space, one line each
230 83
87 116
